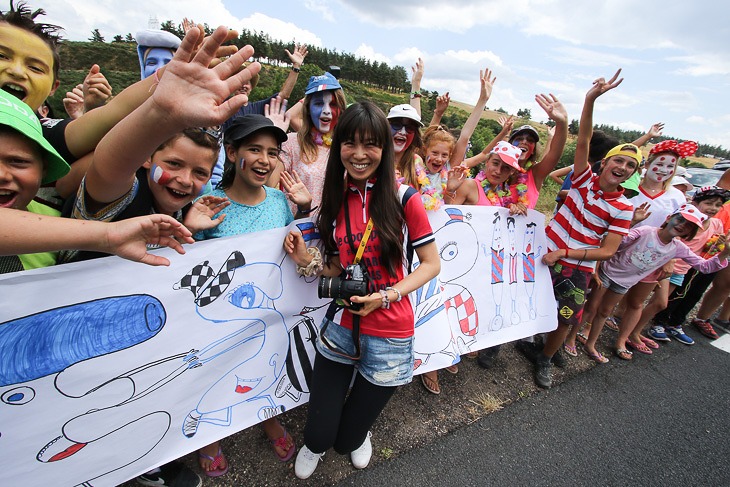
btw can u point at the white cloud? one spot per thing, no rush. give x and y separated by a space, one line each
321 7
367 52
578 56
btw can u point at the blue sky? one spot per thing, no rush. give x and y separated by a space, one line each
674 54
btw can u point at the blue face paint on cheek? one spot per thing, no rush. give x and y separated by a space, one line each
242 164
316 106
159 175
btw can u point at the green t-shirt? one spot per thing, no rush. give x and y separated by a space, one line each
41 259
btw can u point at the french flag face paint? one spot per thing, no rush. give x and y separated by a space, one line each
242 164
159 175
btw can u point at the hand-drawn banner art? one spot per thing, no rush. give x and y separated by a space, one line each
109 368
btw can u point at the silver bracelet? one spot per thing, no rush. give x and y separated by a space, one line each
396 291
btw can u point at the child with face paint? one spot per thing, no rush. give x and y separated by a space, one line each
252 145
655 188
155 49
644 250
589 227
441 151
306 151
405 125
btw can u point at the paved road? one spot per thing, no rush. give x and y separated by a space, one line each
660 420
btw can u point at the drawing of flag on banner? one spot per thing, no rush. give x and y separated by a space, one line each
309 231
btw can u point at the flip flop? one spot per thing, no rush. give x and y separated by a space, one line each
452 369
431 385
611 323
639 347
649 342
572 351
596 357
215 464
624 354
581 338
281 443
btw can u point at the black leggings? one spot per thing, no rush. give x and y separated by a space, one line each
336 419
684 298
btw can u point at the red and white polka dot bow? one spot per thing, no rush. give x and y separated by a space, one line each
682 149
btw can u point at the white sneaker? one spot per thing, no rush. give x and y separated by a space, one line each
306 462
361 456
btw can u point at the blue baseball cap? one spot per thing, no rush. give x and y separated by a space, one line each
322 83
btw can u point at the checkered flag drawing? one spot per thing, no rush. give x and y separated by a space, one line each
223 278
196 278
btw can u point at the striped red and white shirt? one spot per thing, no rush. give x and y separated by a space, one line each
587 215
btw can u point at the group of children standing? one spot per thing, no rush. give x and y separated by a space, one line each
153 149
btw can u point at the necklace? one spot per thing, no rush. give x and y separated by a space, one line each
432 187
505 194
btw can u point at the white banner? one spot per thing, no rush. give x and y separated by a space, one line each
108 368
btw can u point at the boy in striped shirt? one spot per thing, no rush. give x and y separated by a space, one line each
588 228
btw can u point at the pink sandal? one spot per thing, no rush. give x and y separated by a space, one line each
215 464
281 443
649 342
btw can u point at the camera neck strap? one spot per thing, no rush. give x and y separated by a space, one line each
365 236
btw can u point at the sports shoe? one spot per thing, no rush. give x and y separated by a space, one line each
559 359
173 474
678 334
529 349
544 372
705 328
486 357
306 462
658 333
361 456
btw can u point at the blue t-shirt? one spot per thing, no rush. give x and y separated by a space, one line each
273 212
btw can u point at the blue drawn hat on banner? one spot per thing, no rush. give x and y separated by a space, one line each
455 215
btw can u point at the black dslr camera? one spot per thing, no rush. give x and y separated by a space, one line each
353 283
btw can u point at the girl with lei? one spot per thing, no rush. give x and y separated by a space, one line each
442 151
306 151
494 188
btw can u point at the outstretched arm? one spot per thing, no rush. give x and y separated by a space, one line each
487 83
556 112
654 131
416 77
189 95
585 130
484 154
442 103
297 59
23 232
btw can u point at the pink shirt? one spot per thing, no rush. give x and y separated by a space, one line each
696 244
311 174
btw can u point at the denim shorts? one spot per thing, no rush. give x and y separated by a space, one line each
677 279
610 285
383 361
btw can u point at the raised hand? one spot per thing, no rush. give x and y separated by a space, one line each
193 95
641 213
297 57
456 177
442 103
552 106
96 88
656 130
200 216
487 83
276 112
417 72
295 189
73 102
601 86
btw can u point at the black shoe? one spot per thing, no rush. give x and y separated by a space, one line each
173 474
559 360
529 349
486 357
544 373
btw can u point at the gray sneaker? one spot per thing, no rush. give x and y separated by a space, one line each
544 373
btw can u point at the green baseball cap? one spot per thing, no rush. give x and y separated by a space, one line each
17 115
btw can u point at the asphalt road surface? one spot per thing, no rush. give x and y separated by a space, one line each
659 420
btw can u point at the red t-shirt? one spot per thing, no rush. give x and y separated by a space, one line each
398 320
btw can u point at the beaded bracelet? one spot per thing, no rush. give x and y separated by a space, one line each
315 266
396 291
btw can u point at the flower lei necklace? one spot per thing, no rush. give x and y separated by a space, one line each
505 194
432 195
322 139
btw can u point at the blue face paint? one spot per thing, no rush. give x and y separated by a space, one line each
322 105
242 164
155 58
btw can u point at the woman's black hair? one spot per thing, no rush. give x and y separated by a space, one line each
366 122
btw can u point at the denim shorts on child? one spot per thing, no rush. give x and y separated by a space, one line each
383 361
570 292
610 285
677 279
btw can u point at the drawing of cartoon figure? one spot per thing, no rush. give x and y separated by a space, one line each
429 301
528 267
458 248
241 296
512 239
497 271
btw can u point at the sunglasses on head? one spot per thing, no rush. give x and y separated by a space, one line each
214 132
397 126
